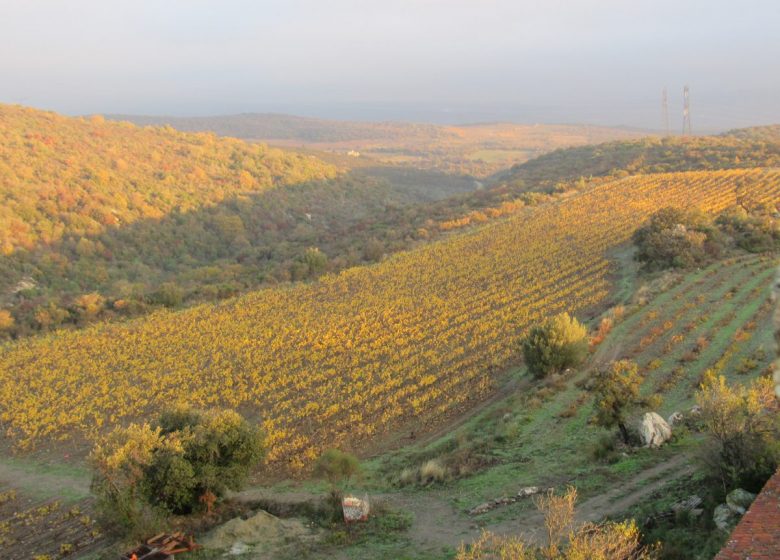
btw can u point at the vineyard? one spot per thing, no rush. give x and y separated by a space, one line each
37 530
359 353
675 328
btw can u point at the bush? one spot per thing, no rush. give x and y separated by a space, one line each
558 343
336 466
742 427
617 395
754 231
604 449
167 295
608 540
432 471
142 473
676 238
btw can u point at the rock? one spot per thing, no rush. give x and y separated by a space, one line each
689 503
481 508
261 531
654 430
725 519
528 491
675 418
739 500
239 548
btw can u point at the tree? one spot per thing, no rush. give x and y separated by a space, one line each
189 459
90 305
754 229
743 429
617 394
558 343
337 467
315 260
675 238
167 294
6 321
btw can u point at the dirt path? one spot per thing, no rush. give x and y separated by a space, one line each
612 503
620 498
439 524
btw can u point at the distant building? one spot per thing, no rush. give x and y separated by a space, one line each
353 153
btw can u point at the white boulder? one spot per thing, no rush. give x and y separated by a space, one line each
654 430
675 418
725 519
739 500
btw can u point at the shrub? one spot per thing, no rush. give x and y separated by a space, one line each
742 425
167 295
617 394
605 326
618 312
569 411
746 365
603 541
558 343
6 321
337 467
143 473
604 449
754 231
408 476
432 471
675 238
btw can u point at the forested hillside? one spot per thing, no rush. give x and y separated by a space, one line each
769 133
100 219
356 354
738 150
263 126
63 178
574 168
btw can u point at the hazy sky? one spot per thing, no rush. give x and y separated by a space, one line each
602 61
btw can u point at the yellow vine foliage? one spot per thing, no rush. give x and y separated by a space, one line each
333 363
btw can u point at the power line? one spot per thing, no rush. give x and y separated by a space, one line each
665 111
686 128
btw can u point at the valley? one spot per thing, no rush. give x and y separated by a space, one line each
380 312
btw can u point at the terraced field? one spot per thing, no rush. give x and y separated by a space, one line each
359 354
46 529
712 318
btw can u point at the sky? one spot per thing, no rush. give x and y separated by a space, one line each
447 61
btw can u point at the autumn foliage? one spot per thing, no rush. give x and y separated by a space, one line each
360 353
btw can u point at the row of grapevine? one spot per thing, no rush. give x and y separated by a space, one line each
359 353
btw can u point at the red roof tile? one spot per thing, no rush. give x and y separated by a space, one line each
757 536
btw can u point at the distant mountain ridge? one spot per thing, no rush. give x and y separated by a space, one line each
479 149
287 127
767 133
